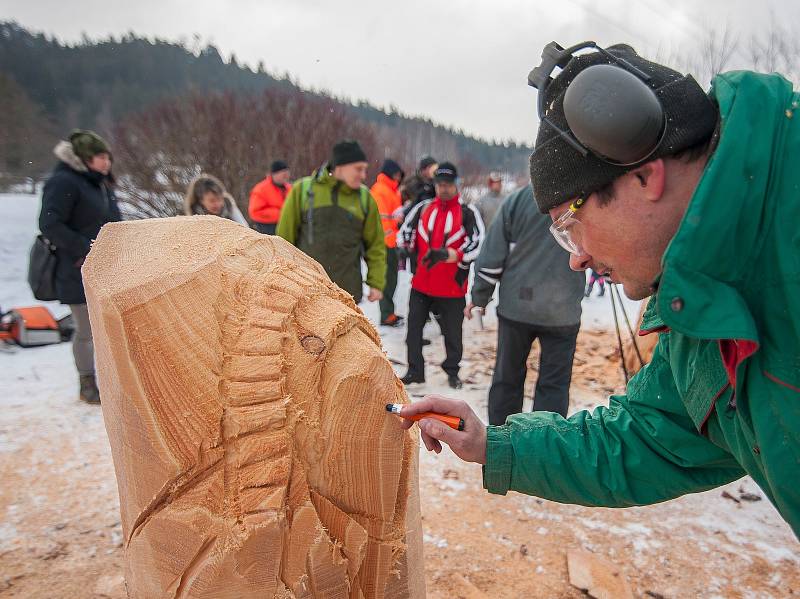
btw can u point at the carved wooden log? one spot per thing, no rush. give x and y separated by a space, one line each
243 394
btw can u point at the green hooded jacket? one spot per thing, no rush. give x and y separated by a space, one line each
337 226
721 397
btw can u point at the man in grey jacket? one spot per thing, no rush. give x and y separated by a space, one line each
539 298
489 204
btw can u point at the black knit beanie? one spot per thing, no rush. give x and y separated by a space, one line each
559 173
347 151
390 168
278 166
425 162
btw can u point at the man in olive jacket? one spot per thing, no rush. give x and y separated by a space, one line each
707 223
332 217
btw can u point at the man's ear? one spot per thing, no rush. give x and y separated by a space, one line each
652 178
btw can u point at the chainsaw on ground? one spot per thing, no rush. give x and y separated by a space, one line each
33 326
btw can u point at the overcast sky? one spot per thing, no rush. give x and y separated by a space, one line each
461 62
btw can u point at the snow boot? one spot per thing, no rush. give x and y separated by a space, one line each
89 392
410 379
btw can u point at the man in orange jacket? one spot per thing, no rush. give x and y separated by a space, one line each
390 206
268 196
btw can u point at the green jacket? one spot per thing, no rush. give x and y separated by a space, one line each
338 232
721 397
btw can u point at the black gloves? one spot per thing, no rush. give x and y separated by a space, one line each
462 274
433 256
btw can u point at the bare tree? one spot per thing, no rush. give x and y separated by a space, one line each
236 136
716 50
232 136
777 50
774 50
27 139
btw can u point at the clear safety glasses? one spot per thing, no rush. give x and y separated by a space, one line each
563 228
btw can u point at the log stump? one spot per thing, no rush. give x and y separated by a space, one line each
243 394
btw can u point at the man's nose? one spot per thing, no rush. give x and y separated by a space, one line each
579 262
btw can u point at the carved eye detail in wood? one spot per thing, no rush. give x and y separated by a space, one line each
313 344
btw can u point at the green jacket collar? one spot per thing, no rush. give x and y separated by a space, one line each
324 177
721 233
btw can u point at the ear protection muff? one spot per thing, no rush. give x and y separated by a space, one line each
610 110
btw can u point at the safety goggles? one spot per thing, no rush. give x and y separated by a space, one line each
563 227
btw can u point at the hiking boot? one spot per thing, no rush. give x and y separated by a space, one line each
393 320
89 392
454 381
409 379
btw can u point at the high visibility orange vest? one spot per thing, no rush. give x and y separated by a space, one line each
386 194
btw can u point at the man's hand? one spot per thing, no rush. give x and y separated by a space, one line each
374 295
470 307
435 255
469 444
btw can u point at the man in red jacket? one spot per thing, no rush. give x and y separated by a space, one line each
446 236
268 196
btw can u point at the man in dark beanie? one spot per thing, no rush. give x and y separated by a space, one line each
698 205
77 200
386 194
268 196
445 236
419 187
332 217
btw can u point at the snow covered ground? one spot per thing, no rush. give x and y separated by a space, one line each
59 524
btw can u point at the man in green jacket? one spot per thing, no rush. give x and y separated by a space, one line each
705 219
332 217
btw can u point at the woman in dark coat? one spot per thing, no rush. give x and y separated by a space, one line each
78 199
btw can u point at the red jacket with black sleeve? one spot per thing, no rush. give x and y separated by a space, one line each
442 224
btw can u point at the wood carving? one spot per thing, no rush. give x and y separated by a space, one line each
243 394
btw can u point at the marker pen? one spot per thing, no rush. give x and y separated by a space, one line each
452 421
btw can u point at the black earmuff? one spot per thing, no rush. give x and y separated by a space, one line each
614 114
609 108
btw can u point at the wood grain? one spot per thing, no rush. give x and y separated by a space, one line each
243 395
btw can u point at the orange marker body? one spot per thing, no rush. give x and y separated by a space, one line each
452 421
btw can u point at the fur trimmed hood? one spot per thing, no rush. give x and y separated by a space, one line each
64 152
193 206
